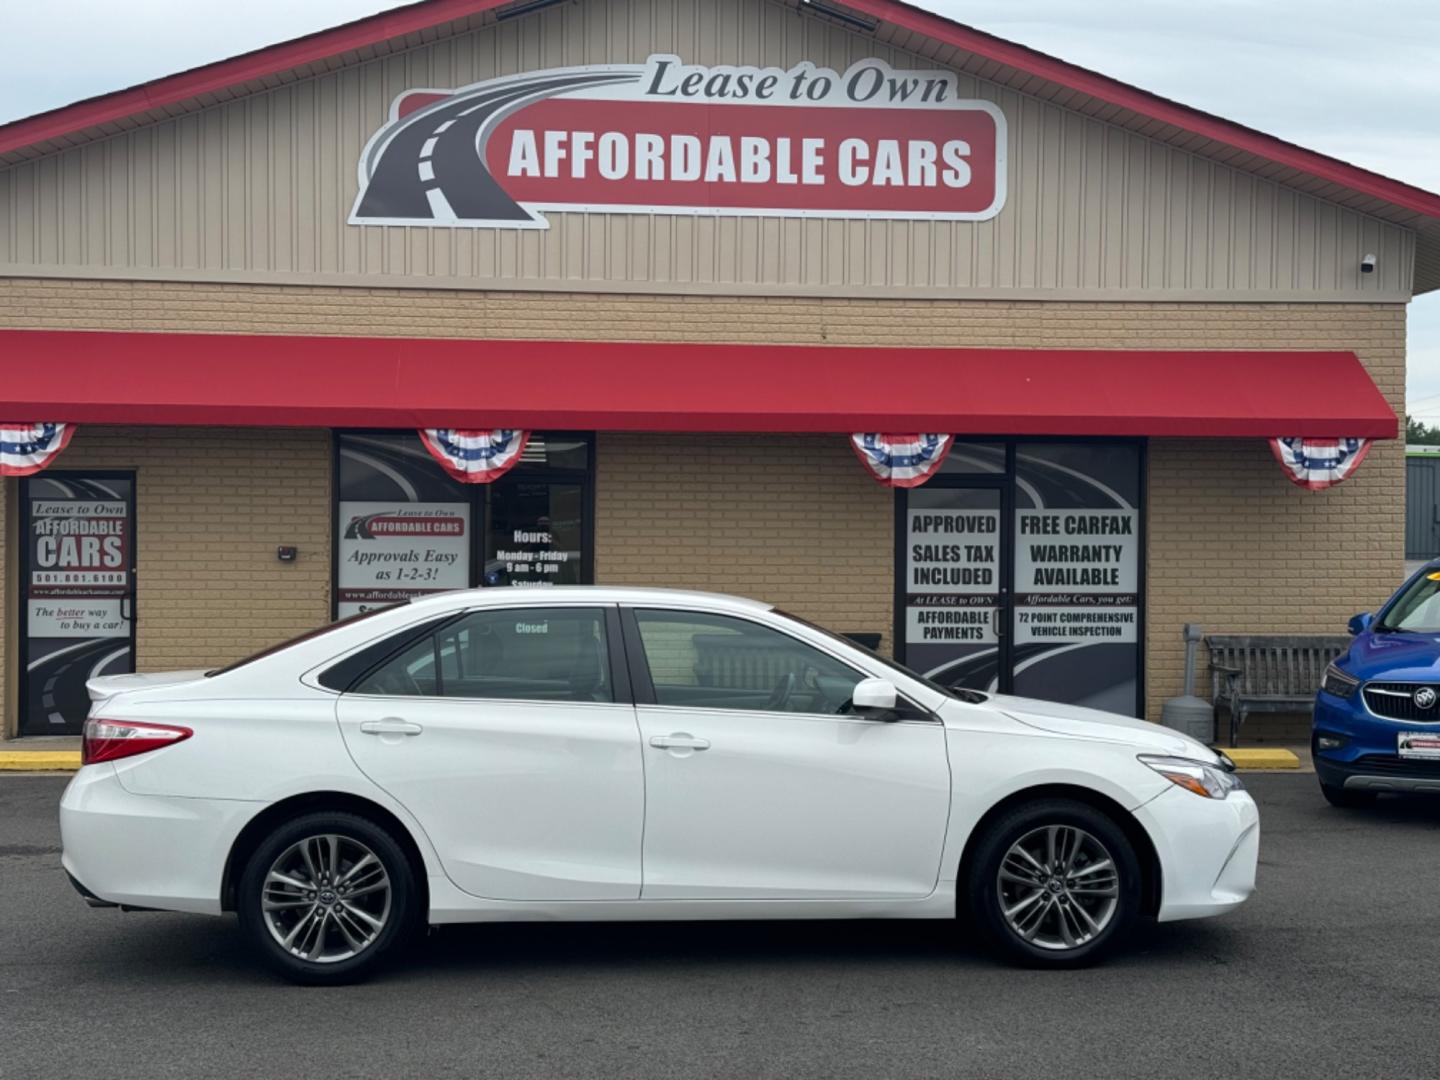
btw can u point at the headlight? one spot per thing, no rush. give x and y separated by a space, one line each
1207 781
1338 683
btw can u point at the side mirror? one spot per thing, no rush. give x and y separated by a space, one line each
874 698
1360 623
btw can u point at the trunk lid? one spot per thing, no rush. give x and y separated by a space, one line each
107 686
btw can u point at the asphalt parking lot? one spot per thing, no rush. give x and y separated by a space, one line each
1332 969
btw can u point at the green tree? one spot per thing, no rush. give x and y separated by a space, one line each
1417 431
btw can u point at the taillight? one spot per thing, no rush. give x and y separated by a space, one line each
109 740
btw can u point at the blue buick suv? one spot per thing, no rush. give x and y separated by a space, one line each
1377 714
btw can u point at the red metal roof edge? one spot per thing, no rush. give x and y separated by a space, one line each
209 78
414 17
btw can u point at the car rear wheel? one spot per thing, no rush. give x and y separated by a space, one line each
1054 883
1347 799
325 897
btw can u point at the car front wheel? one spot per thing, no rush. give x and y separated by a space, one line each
325 897
1054 883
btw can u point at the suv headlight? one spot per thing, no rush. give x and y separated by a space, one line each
1207 781
1338 682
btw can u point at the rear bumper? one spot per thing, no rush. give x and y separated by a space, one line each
146 851
1208 851
86 895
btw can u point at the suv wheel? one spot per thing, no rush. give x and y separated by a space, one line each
325 897
1054 883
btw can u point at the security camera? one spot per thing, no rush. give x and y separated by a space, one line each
1367 264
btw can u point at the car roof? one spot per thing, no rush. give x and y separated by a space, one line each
590 594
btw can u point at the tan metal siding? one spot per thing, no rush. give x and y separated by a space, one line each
258 188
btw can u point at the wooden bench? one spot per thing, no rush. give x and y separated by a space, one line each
1275 673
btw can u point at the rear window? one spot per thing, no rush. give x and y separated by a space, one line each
349 620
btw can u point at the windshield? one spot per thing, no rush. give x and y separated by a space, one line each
1416 610
974 697
349 620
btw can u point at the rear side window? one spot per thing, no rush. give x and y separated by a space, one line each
515 654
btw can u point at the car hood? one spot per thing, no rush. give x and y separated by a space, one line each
1093 724
1397 657
107 686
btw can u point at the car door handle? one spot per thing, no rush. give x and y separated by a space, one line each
679 741
390 727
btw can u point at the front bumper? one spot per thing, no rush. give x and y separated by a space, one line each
1208 851
1380 773
1369 759
146 851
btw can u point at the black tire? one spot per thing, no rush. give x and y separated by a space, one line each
1346 799
399 917
984 889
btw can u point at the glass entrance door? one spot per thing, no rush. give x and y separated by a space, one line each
954 599
78 574
1020 570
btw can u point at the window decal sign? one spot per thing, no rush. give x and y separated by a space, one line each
675 138
78 589
25 449
393 551
1316 464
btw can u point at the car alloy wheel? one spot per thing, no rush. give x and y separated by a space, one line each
326 898
1053 883
1058 887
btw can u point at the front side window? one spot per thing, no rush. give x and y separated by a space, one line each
515 654
720 662
1417 610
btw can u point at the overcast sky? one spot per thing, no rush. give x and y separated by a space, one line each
1360 81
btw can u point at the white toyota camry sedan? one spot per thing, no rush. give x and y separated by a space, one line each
607 753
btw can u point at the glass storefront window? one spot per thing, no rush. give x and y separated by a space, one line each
405 529
535 534
974 458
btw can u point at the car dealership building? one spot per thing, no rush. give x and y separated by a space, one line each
675 256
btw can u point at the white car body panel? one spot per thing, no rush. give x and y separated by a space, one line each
523 800
780 805
526 811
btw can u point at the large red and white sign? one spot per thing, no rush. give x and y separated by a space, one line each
667 137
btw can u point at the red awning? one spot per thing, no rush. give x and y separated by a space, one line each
270 381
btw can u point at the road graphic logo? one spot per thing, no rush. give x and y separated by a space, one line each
667 137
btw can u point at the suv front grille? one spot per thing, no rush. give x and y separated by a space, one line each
1396 701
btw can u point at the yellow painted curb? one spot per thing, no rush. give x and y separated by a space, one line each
39 760
1254 757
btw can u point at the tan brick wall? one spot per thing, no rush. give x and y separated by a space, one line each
211 507
796 522
1233 545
